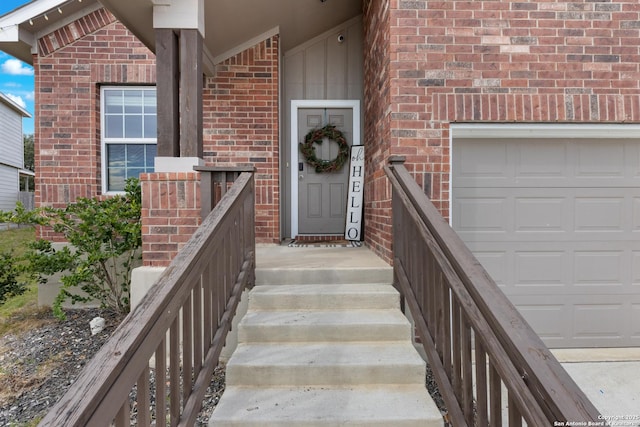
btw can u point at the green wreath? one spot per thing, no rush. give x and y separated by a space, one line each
316 136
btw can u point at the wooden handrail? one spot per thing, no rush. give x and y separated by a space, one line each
182 322
465 320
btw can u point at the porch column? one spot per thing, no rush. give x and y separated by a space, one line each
179 30
191 81
168 89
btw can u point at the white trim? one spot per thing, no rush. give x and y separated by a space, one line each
11 104
564 131
183 14
30 10
103 142
311 103
176 164
246 45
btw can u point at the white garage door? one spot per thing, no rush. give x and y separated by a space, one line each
557 225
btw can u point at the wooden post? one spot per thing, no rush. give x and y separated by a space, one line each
168 90
191 83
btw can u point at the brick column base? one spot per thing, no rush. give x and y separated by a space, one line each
170 214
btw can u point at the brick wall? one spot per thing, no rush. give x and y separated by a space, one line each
73 62
241 126
377 99
492 61
170 214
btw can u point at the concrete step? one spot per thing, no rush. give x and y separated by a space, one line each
318 276
325 363
324 325
324 297
400 406
277 265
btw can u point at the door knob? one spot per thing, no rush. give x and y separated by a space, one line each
301 177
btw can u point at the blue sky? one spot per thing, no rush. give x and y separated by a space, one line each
16 77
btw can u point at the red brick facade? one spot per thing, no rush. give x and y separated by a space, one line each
73 63
428 64
170 214
487 61
240 127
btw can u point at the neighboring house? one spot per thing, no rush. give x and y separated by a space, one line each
11 153
518 118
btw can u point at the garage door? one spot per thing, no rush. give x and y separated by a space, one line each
557 225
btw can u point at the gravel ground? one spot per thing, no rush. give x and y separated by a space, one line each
39 365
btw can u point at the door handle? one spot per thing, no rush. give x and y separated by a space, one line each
300 177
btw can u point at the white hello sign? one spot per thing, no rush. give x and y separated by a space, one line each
353 228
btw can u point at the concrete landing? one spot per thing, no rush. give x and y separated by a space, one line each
610 377
282 265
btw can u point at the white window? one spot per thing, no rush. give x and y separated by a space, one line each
129 124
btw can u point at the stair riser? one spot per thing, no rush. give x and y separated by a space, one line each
319 276
318 333
273 376
363 301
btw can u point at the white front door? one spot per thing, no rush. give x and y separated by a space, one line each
320 198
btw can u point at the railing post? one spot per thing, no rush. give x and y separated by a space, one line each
396 160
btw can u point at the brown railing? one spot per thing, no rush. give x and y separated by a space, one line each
181 323
215 182
466 323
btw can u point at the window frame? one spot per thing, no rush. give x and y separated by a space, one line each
105 142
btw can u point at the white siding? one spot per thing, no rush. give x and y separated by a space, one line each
11 144
8 187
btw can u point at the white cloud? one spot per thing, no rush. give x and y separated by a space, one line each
17 99
16 67
31 96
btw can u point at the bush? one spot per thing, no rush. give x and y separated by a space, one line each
104 239
9 273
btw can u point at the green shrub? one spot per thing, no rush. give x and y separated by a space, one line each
9 274
104 239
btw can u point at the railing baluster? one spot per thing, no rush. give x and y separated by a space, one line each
467 369
123 417
495 396
144 399
446 348
161 384
515 419
439 313
187 347
174 372
481 384
197 328
457 351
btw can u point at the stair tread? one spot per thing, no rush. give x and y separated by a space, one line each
325 354
311 406
361 296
